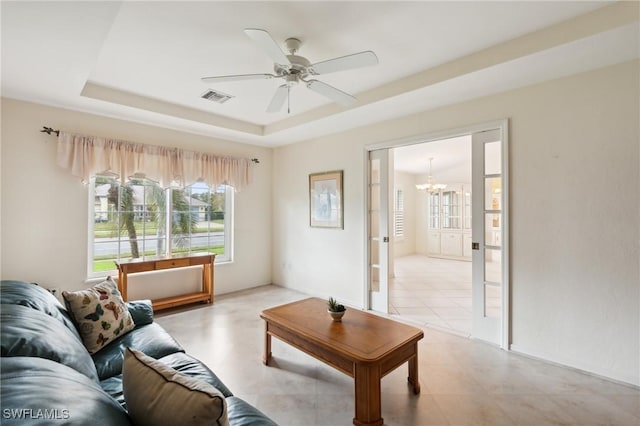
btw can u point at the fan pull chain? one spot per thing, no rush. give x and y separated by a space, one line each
288 99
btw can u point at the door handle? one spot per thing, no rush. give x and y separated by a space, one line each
385 239
475 246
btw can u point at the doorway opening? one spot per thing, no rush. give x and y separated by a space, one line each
437 233
430 260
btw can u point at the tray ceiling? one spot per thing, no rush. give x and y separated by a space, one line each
142 61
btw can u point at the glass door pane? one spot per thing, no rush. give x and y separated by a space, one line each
374 225
493 302
434 210
487 230
492 158
451 210
378 230
493 193
492 209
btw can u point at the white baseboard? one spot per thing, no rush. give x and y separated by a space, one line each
597 371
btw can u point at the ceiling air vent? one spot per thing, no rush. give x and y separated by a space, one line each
213 96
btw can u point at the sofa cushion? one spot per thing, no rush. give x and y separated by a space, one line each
35 297
151 339
141 311
241 413
113 386
31 333
192 367
99 313
40 391
157 394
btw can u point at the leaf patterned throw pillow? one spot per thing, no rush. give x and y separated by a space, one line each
99 313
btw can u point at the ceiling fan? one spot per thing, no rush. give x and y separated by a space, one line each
294 69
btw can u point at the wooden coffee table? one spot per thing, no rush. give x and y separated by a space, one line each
364 346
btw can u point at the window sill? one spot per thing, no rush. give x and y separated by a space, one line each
93 281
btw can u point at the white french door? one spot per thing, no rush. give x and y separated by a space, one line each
378 230
490 264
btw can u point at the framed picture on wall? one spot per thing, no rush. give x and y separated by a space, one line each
325 200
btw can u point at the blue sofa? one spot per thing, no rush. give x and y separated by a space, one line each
48 377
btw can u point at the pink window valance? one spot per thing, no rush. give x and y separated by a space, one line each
88 156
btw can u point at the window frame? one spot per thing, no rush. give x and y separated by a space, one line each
398 213
227 257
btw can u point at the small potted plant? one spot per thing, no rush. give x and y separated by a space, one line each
335 309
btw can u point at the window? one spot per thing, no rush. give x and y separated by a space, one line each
398 214
141 219
446 210
451 210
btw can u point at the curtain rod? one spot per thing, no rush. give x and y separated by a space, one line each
50 130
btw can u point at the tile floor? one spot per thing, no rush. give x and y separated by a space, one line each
464 382
432 292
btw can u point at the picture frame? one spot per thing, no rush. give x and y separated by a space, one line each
325 200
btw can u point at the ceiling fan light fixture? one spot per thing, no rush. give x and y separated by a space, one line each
292 80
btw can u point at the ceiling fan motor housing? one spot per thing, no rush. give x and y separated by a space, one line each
293 45
299 67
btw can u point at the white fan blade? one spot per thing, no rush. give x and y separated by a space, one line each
331 92
357 60
278 99
240 77
265 42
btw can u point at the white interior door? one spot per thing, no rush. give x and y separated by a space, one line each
488 234
378 232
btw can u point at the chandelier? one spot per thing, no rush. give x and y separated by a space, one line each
429 186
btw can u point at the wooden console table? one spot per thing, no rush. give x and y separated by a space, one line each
132 266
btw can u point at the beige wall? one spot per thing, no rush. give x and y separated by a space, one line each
575 186
45 209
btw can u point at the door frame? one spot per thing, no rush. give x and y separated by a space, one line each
503 126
